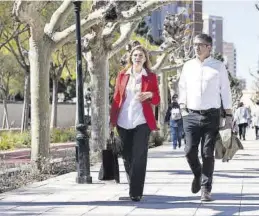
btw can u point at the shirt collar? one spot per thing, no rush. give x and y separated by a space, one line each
205 60
143 71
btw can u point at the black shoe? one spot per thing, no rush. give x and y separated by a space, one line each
206 196
196 184
135 198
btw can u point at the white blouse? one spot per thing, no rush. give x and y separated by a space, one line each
131 114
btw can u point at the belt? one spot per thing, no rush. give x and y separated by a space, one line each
203 112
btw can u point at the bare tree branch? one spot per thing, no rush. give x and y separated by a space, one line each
142 9
10 48
109 29
15 33
171 68
126 30
28 11
68 34
21 53
58 18
160 62
88 40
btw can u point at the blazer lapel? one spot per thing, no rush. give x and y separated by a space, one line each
124 82
145 83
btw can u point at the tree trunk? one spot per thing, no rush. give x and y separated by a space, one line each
98 67
39 55
53 121
163 104
5 116
3 121
25 113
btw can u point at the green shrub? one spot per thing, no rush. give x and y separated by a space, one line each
12 139
5 143
15 139
62 135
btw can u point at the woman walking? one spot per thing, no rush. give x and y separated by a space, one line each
136 91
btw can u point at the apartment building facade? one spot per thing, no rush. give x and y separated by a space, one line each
230 57
213 26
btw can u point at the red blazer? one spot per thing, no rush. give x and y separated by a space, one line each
149 83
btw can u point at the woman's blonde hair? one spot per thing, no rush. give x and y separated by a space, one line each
147 63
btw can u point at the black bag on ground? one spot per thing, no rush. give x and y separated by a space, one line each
110 166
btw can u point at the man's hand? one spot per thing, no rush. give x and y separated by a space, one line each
144 96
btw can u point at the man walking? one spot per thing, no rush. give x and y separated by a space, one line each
203 86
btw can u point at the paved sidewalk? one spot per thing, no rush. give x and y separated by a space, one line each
167 190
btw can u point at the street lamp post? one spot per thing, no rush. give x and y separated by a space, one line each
82 139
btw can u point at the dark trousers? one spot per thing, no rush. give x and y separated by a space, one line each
134 154
201 129
242 130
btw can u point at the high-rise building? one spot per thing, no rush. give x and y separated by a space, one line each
213 26
198 19
156 20
193 15
230 57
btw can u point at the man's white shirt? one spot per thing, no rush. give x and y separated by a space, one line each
203 85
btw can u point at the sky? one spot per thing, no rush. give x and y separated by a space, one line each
241 27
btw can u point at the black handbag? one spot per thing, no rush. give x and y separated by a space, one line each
110 166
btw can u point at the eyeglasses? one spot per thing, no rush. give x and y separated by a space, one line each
200 44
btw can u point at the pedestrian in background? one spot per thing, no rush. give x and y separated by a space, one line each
241 118
256 120
174 118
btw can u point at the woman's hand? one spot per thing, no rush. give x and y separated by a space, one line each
111 127
144 96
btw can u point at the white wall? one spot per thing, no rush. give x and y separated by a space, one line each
66 114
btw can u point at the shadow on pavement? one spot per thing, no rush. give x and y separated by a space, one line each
163 202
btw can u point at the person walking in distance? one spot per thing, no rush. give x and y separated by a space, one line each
136 90
203 87
241 118
256 120
174 117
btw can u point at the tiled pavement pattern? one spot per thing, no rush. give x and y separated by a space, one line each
167 190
